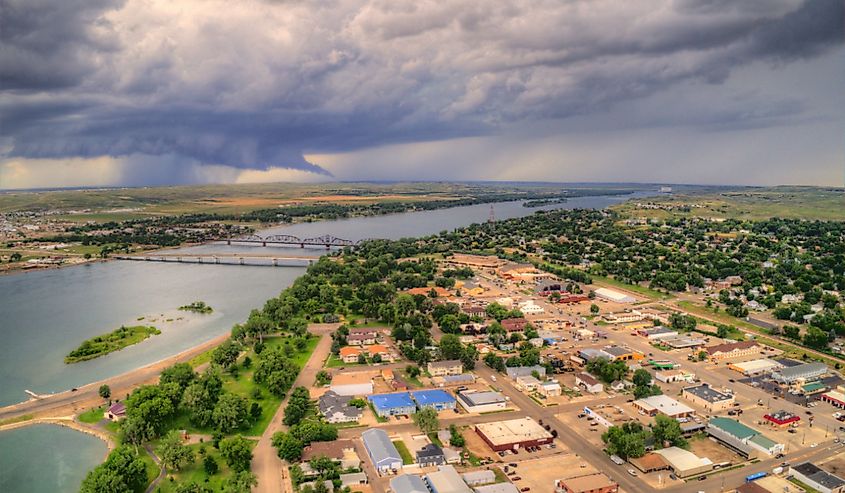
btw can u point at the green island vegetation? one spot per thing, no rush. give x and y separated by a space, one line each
197 307
542 202
111 342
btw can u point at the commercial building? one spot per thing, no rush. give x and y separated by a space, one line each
622 353
476 478
683 342
430 455
382 452
683 462
622 317
513 434
397 404
407 483
800 373
482 401
756 367
817 478
514 324
335 408
676 375
588 383
663 404
782 418
834 398
529 308
549 389
588 483
520 371
657 333
732 350
614 296
446 480
354 383
444 368
743 439
497 488
436 399
527 383
454 380
708 398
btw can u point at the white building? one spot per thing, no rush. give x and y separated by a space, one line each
482 401
613 295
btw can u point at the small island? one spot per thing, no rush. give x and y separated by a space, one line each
542 202
113 341
197 307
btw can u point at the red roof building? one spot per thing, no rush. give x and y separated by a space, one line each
782 418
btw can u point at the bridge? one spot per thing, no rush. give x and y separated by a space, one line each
326 241
265 260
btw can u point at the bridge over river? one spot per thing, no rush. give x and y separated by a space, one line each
325 241
259 259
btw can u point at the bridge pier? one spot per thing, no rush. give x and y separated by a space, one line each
199 260
264 243
275 262
228 241
241 260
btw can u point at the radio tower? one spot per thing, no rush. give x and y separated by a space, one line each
492 217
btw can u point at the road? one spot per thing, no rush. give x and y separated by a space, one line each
87 396
266 465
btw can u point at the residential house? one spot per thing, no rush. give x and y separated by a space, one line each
588 383
443 368
430 455
335 408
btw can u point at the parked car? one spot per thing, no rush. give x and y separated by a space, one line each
632 472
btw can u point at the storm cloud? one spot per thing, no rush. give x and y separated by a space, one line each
258 85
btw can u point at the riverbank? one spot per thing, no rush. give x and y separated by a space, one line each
66 422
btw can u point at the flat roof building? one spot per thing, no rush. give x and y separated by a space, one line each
756 367
707 397
475 478
521 371
513 434
443 368
407 483
588 483
353 383
497 488
800 373
817 478
683 462
663 404
446 480
743 439
482 401
613 295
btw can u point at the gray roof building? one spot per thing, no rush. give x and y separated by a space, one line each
408 484
521 371
336 409
707 393
815 477
806 371
381 450
430 455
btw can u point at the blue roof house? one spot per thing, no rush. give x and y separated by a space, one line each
437 399
393 404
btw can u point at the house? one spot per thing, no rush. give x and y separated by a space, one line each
745 440
340 451
663 404
587 483
588 383
350 354
353 383
361 339
115 412
443 368
800 373
732 350
482 401
514 324
430 455
708 397
380 351
550 389
446 480
407 483
436 399
397 404
817 478
335 408
382 452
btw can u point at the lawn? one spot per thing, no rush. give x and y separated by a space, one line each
150 465
407 458
196 473
92 416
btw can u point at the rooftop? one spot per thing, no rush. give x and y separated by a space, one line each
481 398
730 346
801 370
332 450
819 475
733 427
513 431
446 480
445 364
588 482
709 394
617 351
388 401
434 396
352 378
497 488
663 404
682 460
407 483
379 446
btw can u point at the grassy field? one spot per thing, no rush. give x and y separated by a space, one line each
196 473
407 458
92 416
750 203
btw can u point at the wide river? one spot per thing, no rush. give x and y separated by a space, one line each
45 314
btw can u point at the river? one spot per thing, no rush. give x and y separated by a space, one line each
46 314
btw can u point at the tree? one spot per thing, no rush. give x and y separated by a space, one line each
288 447
240 482
455 437
200 398
237 453
594 308
494 361
668 430
122 472
230 413
323 378
180 373
412 371
313 431
104 391
626 441
468 356
226 354
210 465
173 453
451 347
791 332
191 487
150 406
641 377
426 420
815 338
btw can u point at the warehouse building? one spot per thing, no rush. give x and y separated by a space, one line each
436 399
446 480
683 462
658 333
816 478
513 434
800 373
756 367
382 452
614 296
356 383
476 478
744 440
497 488
407 483
482 401
707 397
393 404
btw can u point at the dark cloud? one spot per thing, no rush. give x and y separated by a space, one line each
256 84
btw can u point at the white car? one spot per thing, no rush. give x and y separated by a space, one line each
632 472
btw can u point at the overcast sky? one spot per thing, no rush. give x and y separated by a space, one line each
142 92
